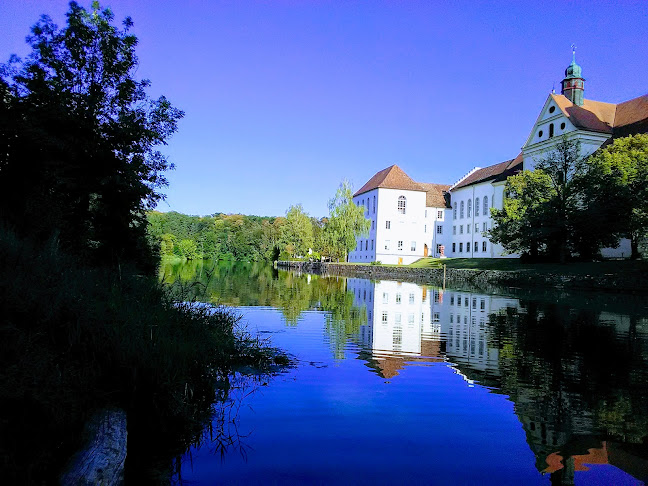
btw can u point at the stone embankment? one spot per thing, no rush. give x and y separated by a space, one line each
476 279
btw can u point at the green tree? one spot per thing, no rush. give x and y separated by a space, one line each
346 222
298 230
616 182
78 138
520 226
543 211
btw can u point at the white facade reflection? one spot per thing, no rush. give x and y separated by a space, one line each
408 321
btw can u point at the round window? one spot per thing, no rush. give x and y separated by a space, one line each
562 126
552 109
540 133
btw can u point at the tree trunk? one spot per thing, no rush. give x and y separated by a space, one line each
634 246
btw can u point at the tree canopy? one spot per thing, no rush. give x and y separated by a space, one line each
346 222
79 138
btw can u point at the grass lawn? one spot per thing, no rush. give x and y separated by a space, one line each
511 264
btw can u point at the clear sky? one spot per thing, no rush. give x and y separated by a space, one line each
285 99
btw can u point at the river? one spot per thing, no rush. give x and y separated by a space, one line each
397 383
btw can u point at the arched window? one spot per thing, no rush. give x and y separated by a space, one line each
454 211
401 204
485 205
476 207
469 208
551 130
461 210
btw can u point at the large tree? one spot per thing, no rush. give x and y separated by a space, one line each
346 222
616 181
78 138
543 212
298 231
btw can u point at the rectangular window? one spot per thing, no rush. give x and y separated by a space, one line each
373 241
439 229
386 244
413 247
467 246
452 300
476 227
474 303
482 304
385 298
436 317
366 245
468 228
461 229
438 248
372 224
485 226
411 298
466 305
400 245
454 247
398 298
387 224
426 213
454 230
451 319
436 296
484 246
384 317
410 319
440 215
425 228
374 206
476 246
460 247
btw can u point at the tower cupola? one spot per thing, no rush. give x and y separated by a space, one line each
573 85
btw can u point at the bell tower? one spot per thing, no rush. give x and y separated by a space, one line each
573 85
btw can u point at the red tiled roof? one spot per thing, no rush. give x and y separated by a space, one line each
621 120
435 194
631 117
498 171
392 177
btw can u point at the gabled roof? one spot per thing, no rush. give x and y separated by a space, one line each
631 117
435 194
495 172
392 177
620 120
593 115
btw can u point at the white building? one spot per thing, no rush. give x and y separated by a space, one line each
410 220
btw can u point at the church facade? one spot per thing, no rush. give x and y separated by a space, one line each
411 220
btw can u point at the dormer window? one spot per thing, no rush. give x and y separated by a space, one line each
552 109
401 204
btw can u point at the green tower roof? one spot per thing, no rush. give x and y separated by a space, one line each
573 70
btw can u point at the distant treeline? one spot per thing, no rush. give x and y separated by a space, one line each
235 236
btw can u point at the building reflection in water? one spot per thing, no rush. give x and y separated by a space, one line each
577 376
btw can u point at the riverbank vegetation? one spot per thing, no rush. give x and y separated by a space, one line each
86 323
256 238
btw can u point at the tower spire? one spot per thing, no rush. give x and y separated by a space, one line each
573 85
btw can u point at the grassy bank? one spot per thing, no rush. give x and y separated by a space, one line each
514 265
74 339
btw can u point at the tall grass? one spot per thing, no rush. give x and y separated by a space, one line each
74 339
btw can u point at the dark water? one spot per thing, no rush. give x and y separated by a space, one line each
397 383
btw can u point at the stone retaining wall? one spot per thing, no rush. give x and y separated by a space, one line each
476 279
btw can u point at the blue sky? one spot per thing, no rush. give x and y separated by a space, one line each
285 99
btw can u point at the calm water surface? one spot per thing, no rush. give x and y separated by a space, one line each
397 383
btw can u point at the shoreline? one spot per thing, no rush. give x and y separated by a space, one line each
634 283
